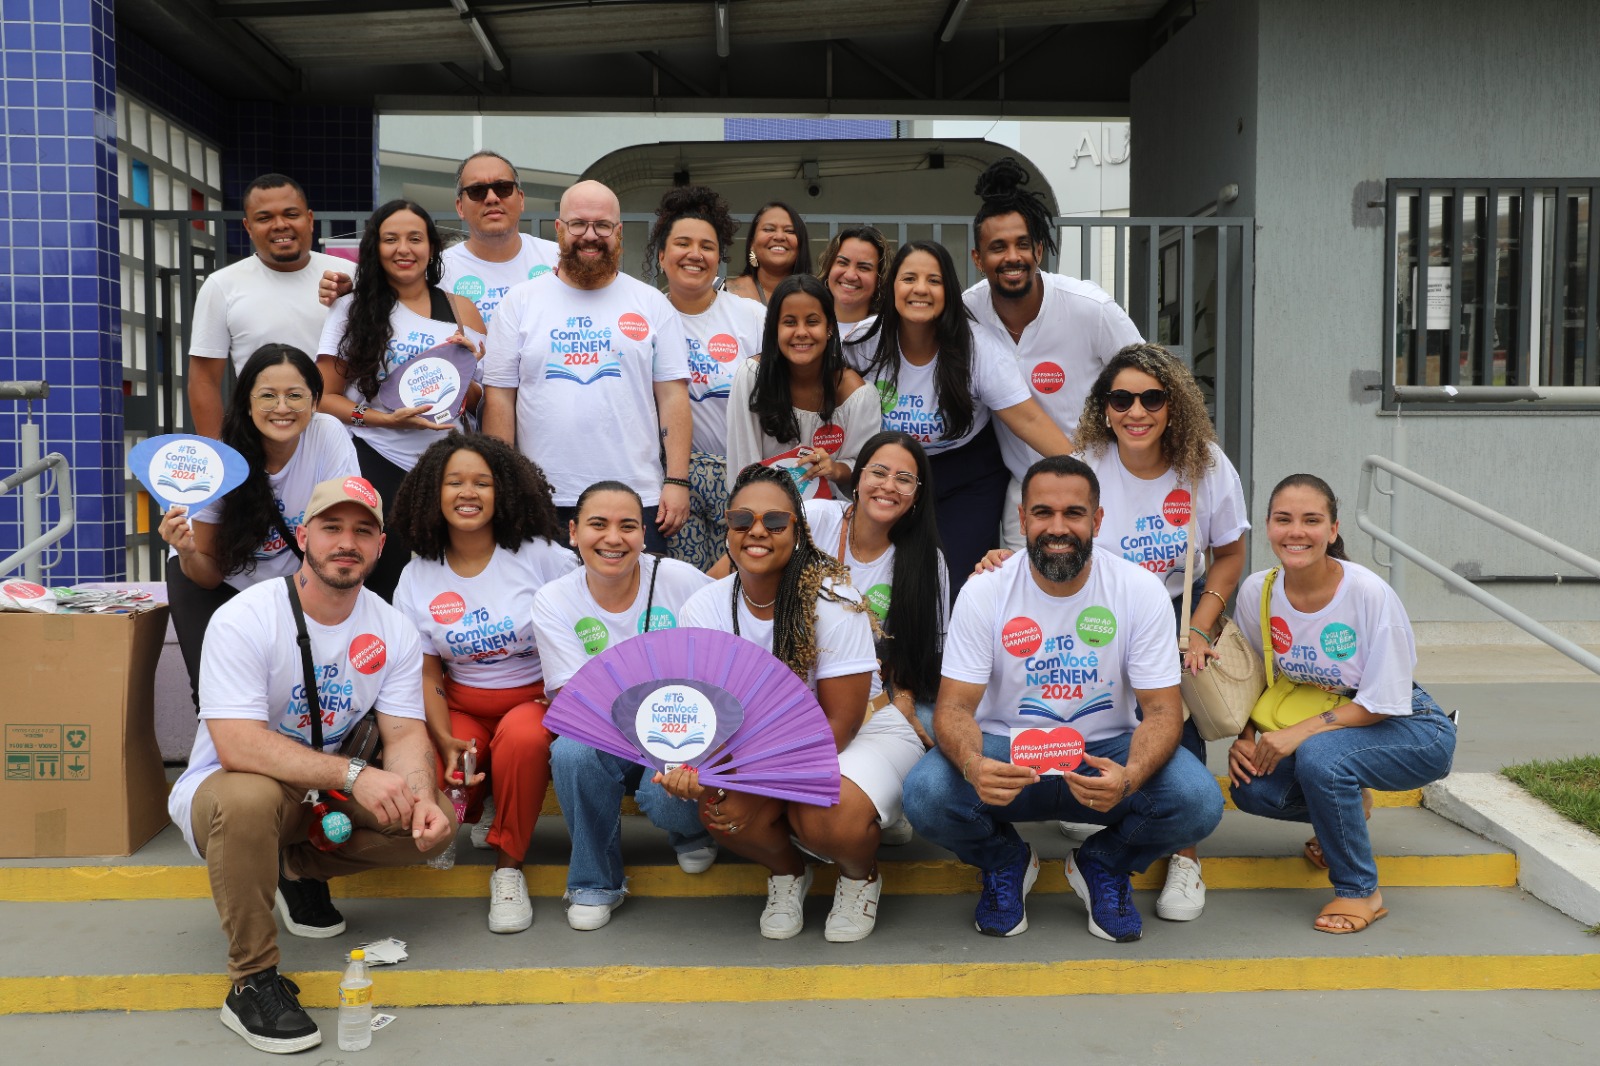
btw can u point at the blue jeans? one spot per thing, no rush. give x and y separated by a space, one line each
1179 805
590 785
1321 783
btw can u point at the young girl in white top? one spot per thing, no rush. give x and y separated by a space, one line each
479 517
1339 627
856 268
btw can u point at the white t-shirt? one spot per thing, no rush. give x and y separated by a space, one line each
1146 521
251 668
844 636
874 580
720 338
572 627
410 335
1360 643
858 351
1076 659
1078 329
856 419
911 401
486 283
247 304
481 627
323 452
584 363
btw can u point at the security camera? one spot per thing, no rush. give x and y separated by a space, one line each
813 189
812 173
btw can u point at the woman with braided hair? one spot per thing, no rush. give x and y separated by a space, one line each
795 600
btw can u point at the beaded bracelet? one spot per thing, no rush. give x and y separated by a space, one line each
681 482
1203 635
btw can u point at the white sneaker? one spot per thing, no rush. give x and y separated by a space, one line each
587 916
1184 896
509 909
855 910
783 916
1079 831
895 833
480 832
697 861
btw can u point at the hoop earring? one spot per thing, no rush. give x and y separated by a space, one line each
752 258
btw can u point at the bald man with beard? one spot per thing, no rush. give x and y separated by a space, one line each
587 371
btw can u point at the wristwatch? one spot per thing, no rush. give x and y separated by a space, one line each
350 775
358 417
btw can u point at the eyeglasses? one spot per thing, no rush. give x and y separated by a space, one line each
903 483
579 226
741 519
1152 400
479 192
295 399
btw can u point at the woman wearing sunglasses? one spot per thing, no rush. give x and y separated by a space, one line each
396 312
793 599
856 268
939 382
797 405
775 247
249 535
616 594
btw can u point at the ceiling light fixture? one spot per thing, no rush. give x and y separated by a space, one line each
719 14
475 24
952 20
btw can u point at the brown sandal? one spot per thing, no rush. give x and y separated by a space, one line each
1353 910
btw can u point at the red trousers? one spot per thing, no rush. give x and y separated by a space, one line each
513 751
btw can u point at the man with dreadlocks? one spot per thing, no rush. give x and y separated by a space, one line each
1063 330
795 600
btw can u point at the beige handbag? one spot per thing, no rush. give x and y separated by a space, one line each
1219 698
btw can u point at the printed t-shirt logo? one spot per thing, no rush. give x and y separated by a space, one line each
23 590
368 653
1176 508
1338 641
888 396
828 437
1282 639
634 326
659 618
593 633
877 598
1049 377
535 271
359 488
1021 636
1097 626
471 287
723 348
447 608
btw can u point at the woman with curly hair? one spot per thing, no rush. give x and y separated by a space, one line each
775 247
687 244
856 268
793 599
248 536
396 312
478 515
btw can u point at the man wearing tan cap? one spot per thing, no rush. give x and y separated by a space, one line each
241 804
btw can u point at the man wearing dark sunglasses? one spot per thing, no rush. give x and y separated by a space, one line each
496 254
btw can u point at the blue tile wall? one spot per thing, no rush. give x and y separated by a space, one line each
59 278
807 129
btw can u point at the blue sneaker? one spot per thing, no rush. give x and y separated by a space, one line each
1002 909
1108 897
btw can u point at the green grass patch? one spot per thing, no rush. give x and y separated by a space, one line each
1570 786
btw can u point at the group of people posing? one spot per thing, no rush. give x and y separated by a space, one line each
819 461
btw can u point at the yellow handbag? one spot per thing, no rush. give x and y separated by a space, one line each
1286 702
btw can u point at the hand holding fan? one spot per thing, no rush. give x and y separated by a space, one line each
182 470
707 699
438 377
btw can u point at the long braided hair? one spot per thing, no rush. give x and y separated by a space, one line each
809 576
1001 187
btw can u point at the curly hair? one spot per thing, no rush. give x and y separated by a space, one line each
804 581
1001 188
689 201
366 337
250 512
871 236
771 400
1185 443
802 252
523 509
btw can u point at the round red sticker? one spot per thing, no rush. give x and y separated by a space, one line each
1176 508
1282 639
1048 750
1048 378
23 590
447 607
359 488
1021 636
368 654
634 325
723 348
829 437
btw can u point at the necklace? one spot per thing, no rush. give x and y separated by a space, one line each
1016 334
754 604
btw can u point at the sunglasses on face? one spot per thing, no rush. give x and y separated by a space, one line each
480 192
1152 400
741 519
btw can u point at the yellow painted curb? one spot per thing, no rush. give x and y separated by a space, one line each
936 877
764 984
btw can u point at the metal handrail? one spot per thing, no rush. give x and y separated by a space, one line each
1456 581
69 510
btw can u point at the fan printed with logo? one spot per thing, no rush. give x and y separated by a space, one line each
186 471
438 378
830 438
707 699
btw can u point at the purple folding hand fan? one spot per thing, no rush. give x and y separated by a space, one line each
710 700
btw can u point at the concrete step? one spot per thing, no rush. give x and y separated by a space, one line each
1415 848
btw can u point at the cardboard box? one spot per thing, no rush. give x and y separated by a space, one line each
83 774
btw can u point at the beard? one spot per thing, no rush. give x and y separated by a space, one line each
1019 293
584 272
340 570
1059 568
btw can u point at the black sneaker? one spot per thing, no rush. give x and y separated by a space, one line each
306 908
265 1010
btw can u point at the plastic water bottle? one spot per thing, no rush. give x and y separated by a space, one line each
457 794
355 1005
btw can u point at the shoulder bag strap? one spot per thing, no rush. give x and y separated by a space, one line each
440 307
1188 573
1266 623
282 526
309 672
650 597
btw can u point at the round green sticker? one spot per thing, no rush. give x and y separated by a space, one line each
660 618
888 396
1097 626
877 598
1338 641
593 633
534 272
470 287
